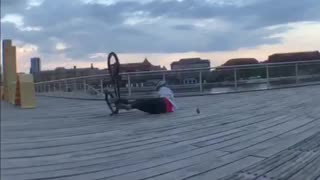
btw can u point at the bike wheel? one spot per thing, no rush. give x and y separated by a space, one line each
113 65
114 70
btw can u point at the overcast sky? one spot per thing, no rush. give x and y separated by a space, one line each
80 32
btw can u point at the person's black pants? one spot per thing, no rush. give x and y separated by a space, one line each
152 105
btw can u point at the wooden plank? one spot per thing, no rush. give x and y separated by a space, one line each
269 164
265 134
179 160
282 166
290 167
310 144
309 172
275 132
226 170
106 162
79 156
186 167
287 140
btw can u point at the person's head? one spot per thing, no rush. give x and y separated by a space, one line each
161 84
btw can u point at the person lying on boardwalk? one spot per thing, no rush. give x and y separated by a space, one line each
164 103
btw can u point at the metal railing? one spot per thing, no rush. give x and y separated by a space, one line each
192 81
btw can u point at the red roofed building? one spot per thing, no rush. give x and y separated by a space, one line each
295 56
63 73
190 63
241 61
137 67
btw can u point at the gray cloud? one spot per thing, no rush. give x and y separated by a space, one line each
274 12
10 6
260 13
184 27
10 3
156 26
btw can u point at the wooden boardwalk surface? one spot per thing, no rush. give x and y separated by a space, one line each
256 135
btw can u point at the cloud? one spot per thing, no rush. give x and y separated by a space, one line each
80 28
184 27
260 13
15 6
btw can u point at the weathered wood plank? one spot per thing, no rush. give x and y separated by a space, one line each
309 172
287 140
227 169
103 172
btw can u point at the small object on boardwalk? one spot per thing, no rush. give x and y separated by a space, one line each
198 110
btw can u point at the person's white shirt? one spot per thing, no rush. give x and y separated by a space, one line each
165 92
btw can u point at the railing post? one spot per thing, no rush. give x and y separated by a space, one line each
66 86
163 76
60 86
297 73
101 86
267 74
84 86
75 85
235 78
129 85
200 81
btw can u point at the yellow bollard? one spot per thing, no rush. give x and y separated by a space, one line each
1 93
9 71
25 93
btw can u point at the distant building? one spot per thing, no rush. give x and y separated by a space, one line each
137 67
225 72
241 61
295 56
63 73
35 65
191 63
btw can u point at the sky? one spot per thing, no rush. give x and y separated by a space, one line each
64 33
